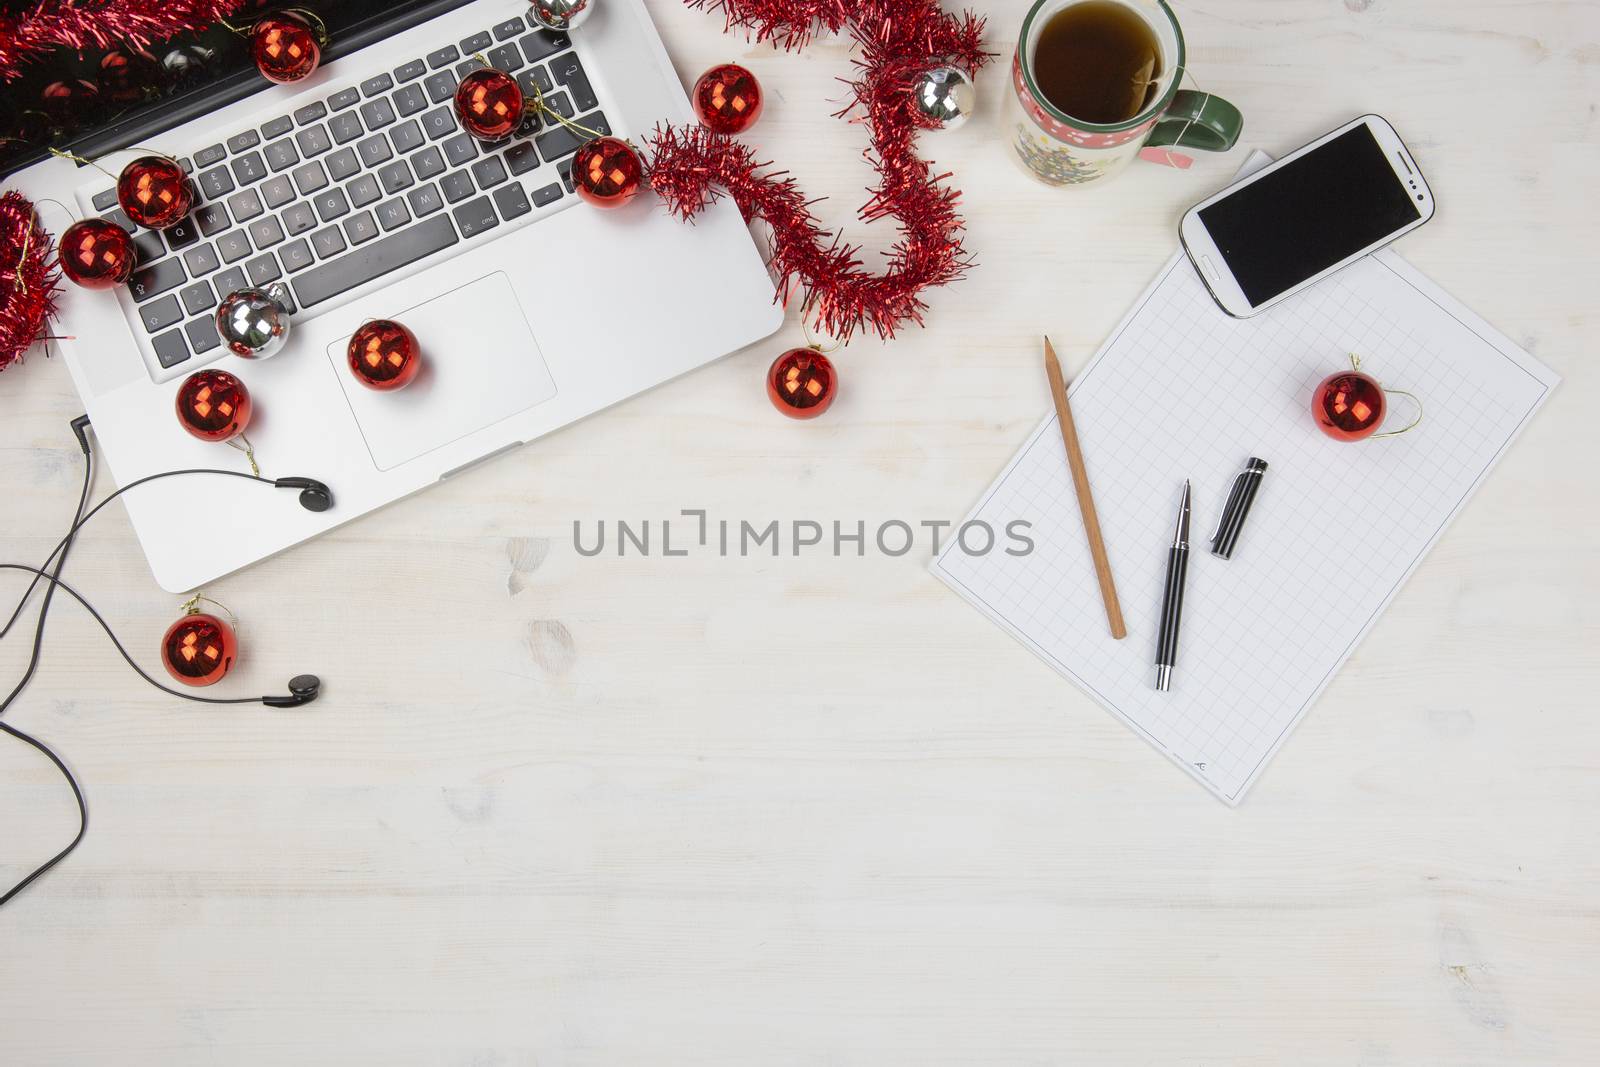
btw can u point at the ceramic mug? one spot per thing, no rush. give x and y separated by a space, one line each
1058 149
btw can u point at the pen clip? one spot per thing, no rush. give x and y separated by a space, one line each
1227 509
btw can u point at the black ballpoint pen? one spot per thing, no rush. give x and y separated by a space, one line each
1172 598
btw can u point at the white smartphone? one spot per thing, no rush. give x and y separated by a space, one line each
1306 215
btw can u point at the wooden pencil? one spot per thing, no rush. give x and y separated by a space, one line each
1080 481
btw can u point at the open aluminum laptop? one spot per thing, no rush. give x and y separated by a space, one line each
357 188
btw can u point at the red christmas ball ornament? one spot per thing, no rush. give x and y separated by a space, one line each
71 103
1349 405
129 76
284 47
155 192
199 649
727 99
802 383
384 355
489 103
96 254
607 172
213 405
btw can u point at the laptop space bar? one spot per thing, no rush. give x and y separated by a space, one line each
374 260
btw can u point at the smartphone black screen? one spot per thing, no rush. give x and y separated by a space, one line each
1302 219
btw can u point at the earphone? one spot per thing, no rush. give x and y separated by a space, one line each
314 496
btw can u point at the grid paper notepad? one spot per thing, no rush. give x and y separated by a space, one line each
1181 390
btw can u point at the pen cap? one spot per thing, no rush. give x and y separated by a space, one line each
1237 509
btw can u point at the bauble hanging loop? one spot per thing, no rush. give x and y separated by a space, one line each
254 322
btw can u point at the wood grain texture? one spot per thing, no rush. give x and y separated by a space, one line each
567 810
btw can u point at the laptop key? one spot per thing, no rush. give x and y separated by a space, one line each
536 78
488 172
232 247
240 141
542 43
406 137
392 214
438 123
476 43
507 58
276 127
460 149
569 72
105 201
468 65
332 204
265 233
245 205
342 164
457 186
364 190
345 127
407 71
328 241
313 141
345 98
425 200
440 86
201 261
378 83
277 191
213 219
443 57
208 157
263 269
197 297
375 150
508 29
475 216
203 336
561 104
296 256
360 228
281 155
410 99
231 280
159 314
511 201
249 168
215 183
310 113
170 349
396 177
427 163
548 195
377 113
299 218
406 245
182 233
522 157
558 141
147 247
309 178
156 279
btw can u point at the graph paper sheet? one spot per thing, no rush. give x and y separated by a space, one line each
1181 390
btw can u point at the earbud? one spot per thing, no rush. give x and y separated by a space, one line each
314 495
303 689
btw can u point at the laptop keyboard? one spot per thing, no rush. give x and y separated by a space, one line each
346 189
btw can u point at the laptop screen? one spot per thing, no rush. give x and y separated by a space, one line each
97 101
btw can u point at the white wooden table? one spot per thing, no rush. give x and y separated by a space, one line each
560 809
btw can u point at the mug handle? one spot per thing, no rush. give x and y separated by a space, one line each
1198 120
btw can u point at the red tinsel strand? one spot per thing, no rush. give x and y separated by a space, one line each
73 24
900 40
28 278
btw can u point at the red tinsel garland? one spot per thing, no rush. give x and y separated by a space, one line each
78 25
900 40
28 278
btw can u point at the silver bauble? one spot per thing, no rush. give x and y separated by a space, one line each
254 323
945 97
560 15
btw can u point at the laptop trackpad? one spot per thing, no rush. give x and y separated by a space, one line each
480 364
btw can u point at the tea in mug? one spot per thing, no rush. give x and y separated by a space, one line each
1098 61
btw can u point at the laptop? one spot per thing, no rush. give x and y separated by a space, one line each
357 189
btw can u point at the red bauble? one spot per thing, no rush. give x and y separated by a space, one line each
802 383
489 103
384 355
284 47
607 172
96 254
71 103
199 649
213 405
155 192
1349 405
727 99
129 76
